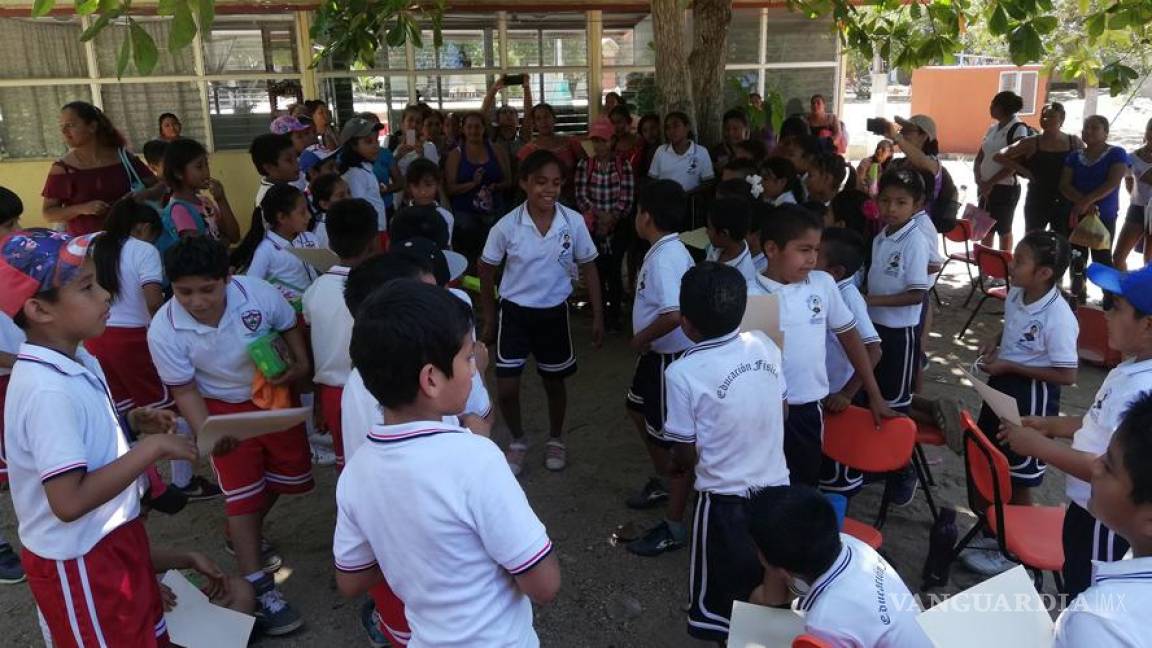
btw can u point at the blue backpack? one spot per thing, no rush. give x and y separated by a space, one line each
168 234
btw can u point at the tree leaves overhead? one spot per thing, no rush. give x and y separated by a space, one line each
354 30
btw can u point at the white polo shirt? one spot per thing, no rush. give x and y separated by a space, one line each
861 601
453 530
927 229
139 266
331 326
691 169
1040 334
840 370
216 358
809 310
995 139
742 262
1120 388
362 183
11 337
727 395
899 264
58 418
273 263
539 270
1113 610
760 261
658 291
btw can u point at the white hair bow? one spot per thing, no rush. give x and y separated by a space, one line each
757 184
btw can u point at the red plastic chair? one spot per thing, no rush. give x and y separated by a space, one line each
961 233
1092 345
992 264
1030 535
808 641
851 438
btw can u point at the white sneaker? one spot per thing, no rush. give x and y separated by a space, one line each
555 455
323 457
515 456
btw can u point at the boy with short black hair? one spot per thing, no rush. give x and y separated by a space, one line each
728 220
275 160
844 581
352 235
811 306
74 478
456 532
200 342
1121 500
658 338
726 405
1088 540
420 222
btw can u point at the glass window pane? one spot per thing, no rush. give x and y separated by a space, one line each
169 63
627 40
744 36
566 92
29 119
737 85
797 86
468 48
793 38
384 96
251 43
637 88
41 49
425 54
523 48
564 47
241 110
135 107
453 92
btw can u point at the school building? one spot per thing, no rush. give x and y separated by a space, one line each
258 59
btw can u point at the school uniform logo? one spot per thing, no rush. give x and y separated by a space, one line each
252 319
1030 336
565 246
1098 404
815 306
892 266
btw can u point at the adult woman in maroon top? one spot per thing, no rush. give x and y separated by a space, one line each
94 173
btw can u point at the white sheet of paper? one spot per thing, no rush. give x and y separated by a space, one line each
1002 612
763 314
1002 404
697 238
247 425
319 258
755 626
196 623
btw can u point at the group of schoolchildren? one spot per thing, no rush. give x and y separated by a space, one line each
431 522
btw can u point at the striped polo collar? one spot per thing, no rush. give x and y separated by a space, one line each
409 431
899 235
339 270
713 343
1130 570
53 359
664 240
1040 304
843 561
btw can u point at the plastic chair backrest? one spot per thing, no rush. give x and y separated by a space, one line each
961 233
986 465
808 641
851 438
1092 343
992 262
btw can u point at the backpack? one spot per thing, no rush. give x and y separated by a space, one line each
944 205
168 234
1012 130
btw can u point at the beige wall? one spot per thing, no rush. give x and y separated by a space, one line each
233 168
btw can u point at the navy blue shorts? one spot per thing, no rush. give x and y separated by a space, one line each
725 566
540 332
1086 539
1033 398
647 393
803 443
899 364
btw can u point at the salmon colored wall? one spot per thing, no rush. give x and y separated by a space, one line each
957 99
233 168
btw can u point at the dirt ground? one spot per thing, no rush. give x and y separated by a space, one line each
609 597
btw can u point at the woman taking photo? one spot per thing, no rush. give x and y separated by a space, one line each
94 173
1092 179
1040 159
476 174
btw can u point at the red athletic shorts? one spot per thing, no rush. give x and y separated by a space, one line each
3 466
124 357
107 597
390 609
280 462
329 398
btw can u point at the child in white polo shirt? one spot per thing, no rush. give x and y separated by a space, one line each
1087 539
352 235
75 482
849 595
276 161
728 220
1122 500
282 226
658 338
543 245
681 159
810 308
200 342
726 404
455 538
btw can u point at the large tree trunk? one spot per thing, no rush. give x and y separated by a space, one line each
710 19
672 74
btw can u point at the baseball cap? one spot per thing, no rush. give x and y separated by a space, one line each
923 122
285 124
358 127
313 156
601 129
1136 286
37 260
446 265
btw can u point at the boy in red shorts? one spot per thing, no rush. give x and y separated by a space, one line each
199 342
75 482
